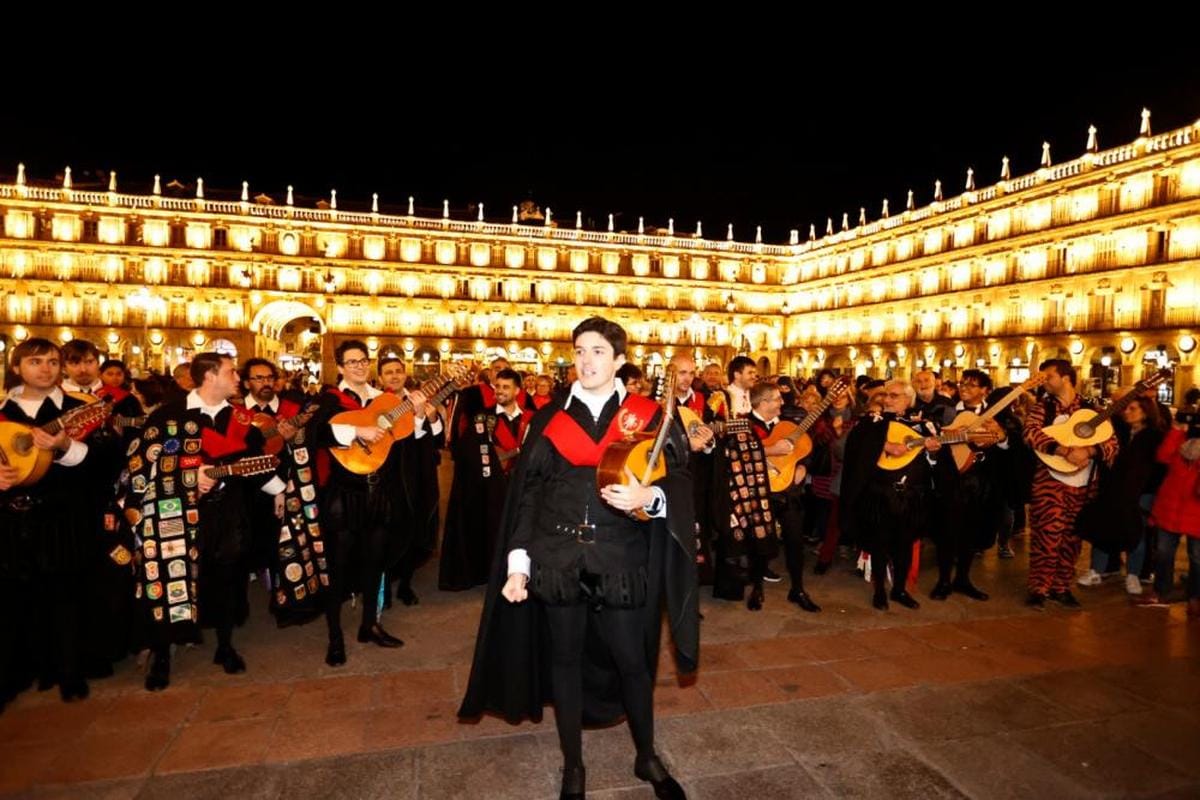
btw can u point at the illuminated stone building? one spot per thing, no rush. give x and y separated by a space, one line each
1094 259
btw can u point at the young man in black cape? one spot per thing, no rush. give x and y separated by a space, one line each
587 640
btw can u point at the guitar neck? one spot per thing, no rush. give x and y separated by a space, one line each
664 427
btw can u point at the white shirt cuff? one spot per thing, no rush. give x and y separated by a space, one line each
519 562
435 427
1002 445
419 426
274 486
344 434
658 506
76 452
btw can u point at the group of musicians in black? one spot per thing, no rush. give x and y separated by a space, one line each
146 527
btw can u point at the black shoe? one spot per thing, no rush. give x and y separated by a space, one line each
801 598
158 677
573 780
822 567
755 601
379 636
654 772
771 576
335 655
229 660
970 590
406 595
940 592
880 600
905 599
73 689
1036 600
1065 599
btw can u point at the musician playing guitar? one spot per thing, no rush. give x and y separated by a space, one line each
970 505
573 559
194 528
1057 496
45 533
358 511
886 510
787 506
485 453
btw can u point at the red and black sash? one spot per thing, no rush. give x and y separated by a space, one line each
503 435
696 404
575 444
115 392
216 444
760 428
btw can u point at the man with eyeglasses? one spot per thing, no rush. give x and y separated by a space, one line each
886 509
281 536
358 512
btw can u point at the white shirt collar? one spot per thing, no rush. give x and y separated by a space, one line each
194 401
687 397
500 412
69 385
31 406
251 403
764 421
595 404
369 391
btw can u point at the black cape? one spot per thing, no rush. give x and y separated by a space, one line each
510 673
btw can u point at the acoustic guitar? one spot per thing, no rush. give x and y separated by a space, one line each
639 453
394 415
32 463
1088 427
269 426
914 443
964 456
781 470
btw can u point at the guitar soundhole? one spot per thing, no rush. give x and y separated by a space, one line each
1085 430
23 443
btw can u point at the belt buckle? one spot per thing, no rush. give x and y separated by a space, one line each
373 479
585 533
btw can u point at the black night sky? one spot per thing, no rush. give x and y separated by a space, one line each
777 140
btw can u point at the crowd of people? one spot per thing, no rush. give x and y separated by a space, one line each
193 495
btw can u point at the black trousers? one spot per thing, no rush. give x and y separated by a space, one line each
789 510
898 550
622 632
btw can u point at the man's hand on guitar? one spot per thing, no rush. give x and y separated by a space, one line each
418 400
932 444
8 477
994 428
204 482
627 497
1079 456
369 433
700 438
514 590
893 449
44 441
287 430
781 448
